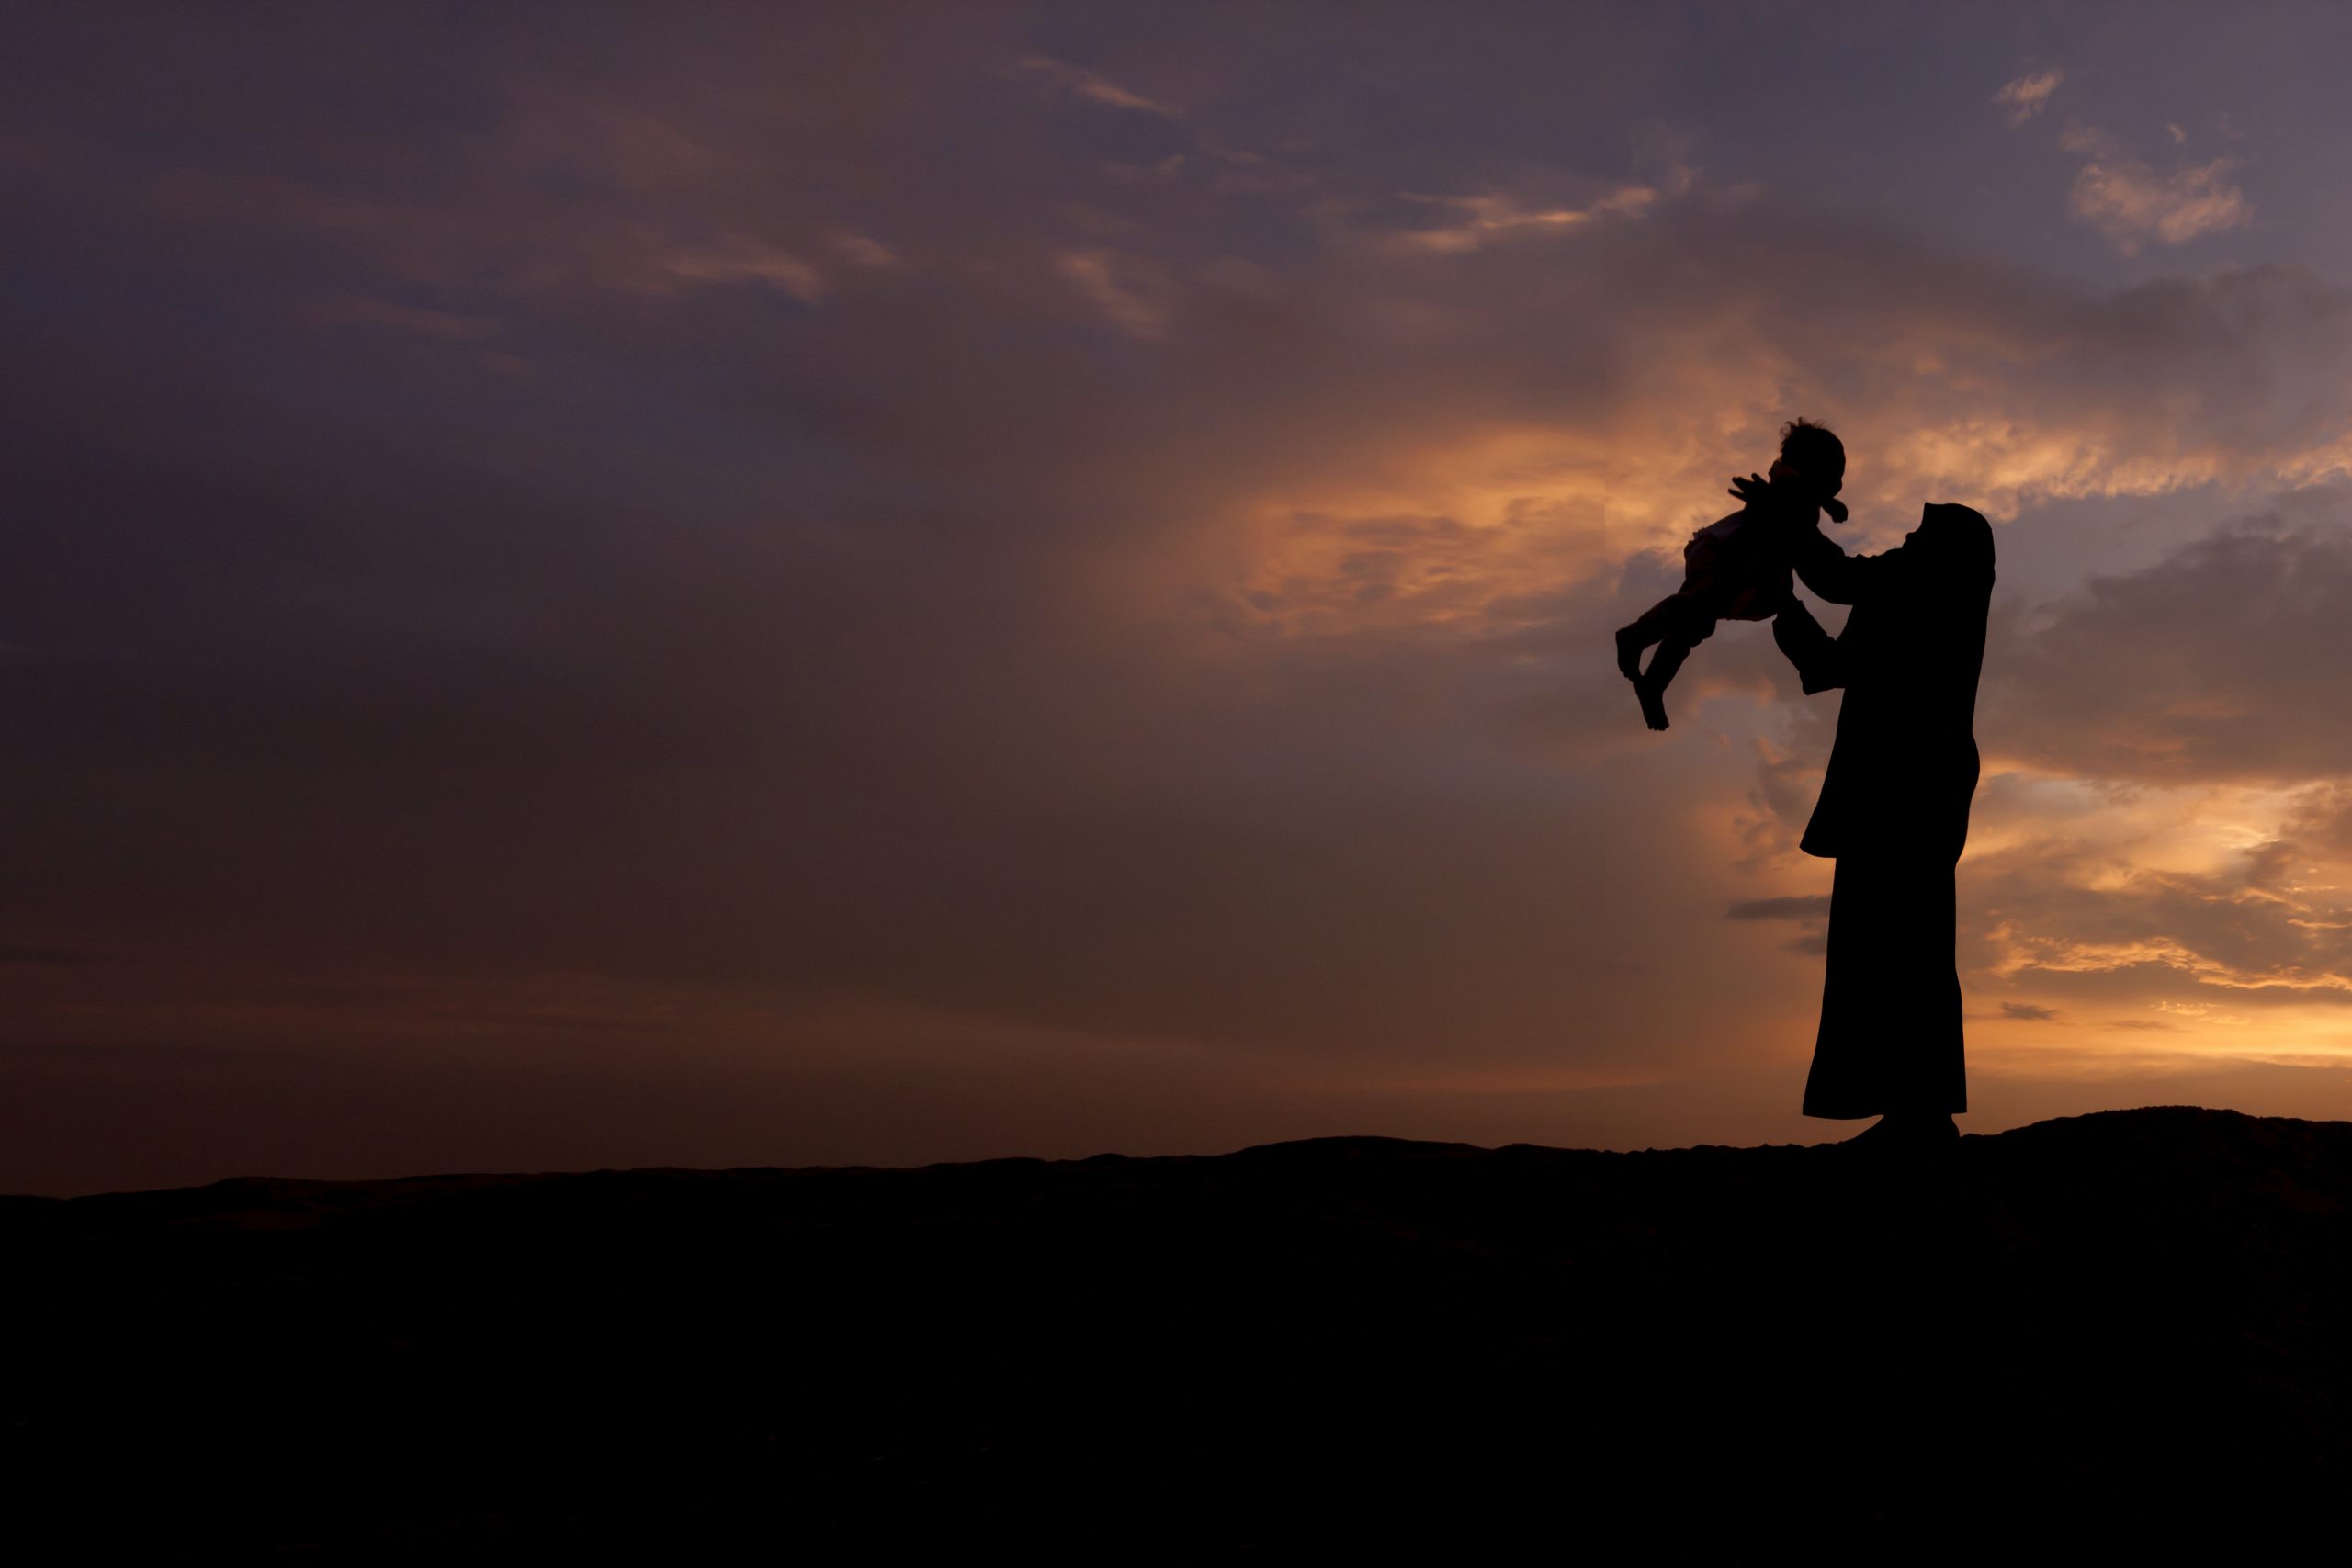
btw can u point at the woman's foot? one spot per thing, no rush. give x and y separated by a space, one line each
1909 1129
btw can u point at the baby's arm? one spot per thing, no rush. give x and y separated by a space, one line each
1795 539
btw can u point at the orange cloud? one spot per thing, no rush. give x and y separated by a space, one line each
2027 96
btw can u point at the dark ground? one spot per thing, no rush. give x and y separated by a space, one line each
2116 1331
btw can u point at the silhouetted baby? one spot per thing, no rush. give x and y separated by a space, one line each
1737 569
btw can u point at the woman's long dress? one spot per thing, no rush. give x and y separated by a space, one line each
1893 808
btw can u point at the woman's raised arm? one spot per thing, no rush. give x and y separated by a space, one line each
1821 663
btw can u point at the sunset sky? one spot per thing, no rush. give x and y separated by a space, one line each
869 583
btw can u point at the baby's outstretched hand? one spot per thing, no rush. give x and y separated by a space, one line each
1781 499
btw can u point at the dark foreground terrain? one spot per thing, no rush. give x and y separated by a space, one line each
2133 1329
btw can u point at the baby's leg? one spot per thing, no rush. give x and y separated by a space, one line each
1629 651
1661 622
1636 635
1685 621
1651 683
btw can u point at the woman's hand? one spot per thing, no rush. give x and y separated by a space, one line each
1754 490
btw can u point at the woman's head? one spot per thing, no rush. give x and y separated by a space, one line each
1813 460
1957 538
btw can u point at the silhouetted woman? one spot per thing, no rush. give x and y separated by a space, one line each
1894 813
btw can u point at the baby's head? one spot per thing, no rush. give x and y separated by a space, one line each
1813 460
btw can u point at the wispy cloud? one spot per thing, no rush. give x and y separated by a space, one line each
1482 219
747 261
2130 201
864 250
2029 95
1097 88
1131 294
2133 203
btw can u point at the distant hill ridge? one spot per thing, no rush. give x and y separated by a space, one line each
2170 1123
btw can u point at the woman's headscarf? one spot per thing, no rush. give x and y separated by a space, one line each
1958 543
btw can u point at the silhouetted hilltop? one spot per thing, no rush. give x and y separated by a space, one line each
2132 1324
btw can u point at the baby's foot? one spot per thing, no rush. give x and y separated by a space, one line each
1653 702
1629 653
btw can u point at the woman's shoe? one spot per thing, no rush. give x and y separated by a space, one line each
1907 1130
